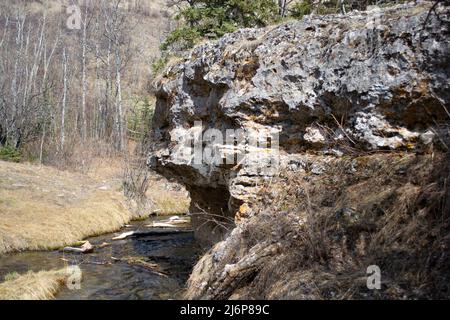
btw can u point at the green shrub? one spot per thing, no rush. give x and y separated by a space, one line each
163 62
301 9
11 276
8 153
159 65
184 37
140 118
212 19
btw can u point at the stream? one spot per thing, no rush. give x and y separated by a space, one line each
117 279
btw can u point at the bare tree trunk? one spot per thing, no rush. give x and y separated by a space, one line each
84 80
341 6
119 107
98 108
64 100
283 6
5 29
11 129
41 149
107 89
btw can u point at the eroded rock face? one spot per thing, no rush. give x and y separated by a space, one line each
375 80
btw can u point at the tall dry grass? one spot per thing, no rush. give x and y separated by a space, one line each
33 286
391 210
149 192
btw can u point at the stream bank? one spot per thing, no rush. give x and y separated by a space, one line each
126 277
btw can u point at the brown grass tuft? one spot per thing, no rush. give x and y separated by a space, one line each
33 286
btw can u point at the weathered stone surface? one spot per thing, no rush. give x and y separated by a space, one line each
369 80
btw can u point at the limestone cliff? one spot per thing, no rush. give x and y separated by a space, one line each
331 88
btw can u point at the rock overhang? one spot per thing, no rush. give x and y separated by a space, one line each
375 80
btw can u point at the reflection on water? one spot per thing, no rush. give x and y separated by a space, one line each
104 278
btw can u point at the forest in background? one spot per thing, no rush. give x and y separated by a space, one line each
67 86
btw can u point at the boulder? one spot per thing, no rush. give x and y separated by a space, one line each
369 81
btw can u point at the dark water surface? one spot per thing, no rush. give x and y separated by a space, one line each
105 278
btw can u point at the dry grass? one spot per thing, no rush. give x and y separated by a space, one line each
44 208
393 212
33 286
150 192
390 210
168 199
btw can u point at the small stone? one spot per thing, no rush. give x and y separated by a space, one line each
427 137
337 153
317 169
314 136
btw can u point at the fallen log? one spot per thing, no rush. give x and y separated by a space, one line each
87 247
104 244
178 220
172 222
123 235
161 225
136 261
86 262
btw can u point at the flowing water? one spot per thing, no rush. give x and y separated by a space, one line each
108 278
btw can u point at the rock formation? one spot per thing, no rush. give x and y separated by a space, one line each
326 87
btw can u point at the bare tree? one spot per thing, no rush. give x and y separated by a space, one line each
47 100
115 32
283 6
64 101
83 77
